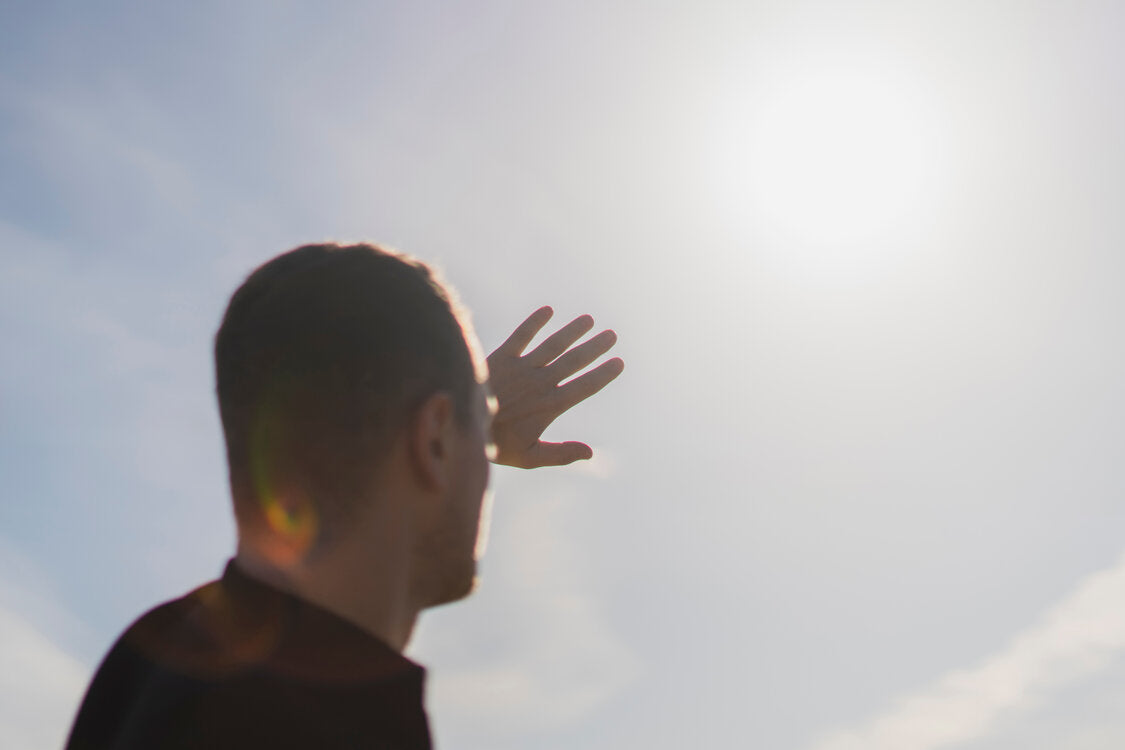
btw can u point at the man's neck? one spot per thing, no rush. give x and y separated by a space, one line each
374 603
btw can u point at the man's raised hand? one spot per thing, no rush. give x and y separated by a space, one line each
528 393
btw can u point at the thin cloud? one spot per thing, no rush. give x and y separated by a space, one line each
40 686
1078 637
575 665
40 683
559 660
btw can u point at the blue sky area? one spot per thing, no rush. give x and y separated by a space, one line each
859 486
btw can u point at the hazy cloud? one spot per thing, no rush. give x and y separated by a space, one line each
560 659
40 686
40 683
1078 637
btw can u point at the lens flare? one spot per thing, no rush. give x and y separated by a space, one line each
291 515
294 521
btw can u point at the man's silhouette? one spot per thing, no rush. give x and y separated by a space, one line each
356 413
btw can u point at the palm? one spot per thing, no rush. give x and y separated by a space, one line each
528 391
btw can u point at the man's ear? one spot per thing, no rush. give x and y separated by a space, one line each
431 440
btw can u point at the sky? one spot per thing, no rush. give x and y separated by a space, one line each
859 485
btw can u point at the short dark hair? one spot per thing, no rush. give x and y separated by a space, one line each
322 354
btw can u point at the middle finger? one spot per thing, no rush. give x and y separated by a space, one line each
559 341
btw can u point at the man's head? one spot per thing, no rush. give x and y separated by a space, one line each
327 356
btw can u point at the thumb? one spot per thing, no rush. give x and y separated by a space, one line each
558 454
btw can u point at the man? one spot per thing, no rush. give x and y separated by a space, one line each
356 416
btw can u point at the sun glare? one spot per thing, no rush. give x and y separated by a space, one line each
830 157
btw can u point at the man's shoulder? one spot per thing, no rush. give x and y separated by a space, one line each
204 635
191 672
142 682
235 663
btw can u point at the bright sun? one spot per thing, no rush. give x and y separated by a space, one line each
830 157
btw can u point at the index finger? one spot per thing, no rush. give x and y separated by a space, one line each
525 332
587 384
